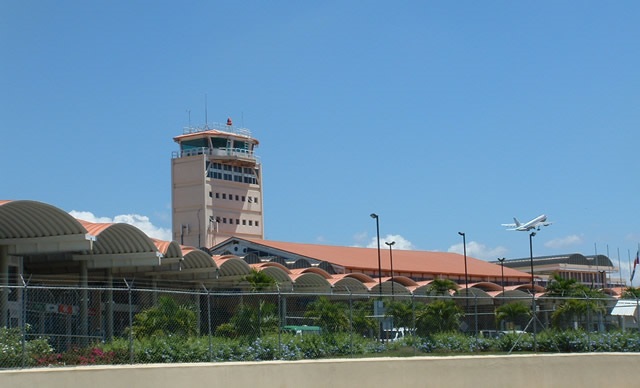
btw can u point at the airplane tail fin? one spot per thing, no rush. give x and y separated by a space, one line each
517 222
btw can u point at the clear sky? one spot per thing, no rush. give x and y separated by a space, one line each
440 116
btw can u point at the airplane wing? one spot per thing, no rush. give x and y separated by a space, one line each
509 225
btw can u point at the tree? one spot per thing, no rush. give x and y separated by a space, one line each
258 280
331 317
167 317
631 293
251 322
439 316
512 312
402 313
362 320
579 301
440 286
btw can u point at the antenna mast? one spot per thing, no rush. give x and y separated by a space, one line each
206 120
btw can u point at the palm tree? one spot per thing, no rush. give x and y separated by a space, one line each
258 280
362 322
167 317
401 312
440 286
331 317
512 312
579 301
631 293
439 316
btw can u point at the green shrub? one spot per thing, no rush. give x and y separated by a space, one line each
11 352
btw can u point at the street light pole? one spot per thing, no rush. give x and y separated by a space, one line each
501 260
379 302
466 275
533 295
390 244
375 216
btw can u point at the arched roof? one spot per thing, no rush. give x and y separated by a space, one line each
30 219
271 264
348 285
315 270
387 289
486 286
118 238
22 222
310 282
197 259
232 266
278 273
359 276
405 281
169 249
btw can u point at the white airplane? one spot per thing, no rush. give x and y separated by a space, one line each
536 223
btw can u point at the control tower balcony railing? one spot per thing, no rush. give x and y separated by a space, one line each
218 153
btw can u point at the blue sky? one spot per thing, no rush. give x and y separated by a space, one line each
439 116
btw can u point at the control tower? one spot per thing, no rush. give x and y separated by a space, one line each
216 186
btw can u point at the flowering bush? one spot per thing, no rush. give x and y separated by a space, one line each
11 351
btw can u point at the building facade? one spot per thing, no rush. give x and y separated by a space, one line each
216 186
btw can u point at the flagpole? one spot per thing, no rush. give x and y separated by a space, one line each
620 269
629 262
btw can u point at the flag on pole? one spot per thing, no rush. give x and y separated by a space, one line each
635 263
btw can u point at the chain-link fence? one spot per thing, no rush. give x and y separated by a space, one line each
50 326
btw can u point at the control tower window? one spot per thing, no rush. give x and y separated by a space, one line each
240 144
194 143
217 142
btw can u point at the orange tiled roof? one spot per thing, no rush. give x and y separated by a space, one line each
357 258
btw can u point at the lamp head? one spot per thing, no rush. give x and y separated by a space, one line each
501 259
532 234
461 233
374 215
390 243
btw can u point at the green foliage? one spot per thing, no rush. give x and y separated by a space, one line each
440 286
332 317
11 351
259 281
252 322
512 312
402 313
437 317
166 318
363 323
572 311
631 293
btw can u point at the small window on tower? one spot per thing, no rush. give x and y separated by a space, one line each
217 195
257 223
250 223
244 222
224 220
211 194
224 196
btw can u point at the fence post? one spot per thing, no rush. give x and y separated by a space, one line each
279 322
130 321
24 322
208 321
350 322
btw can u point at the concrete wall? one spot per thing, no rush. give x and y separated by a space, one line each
554 370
